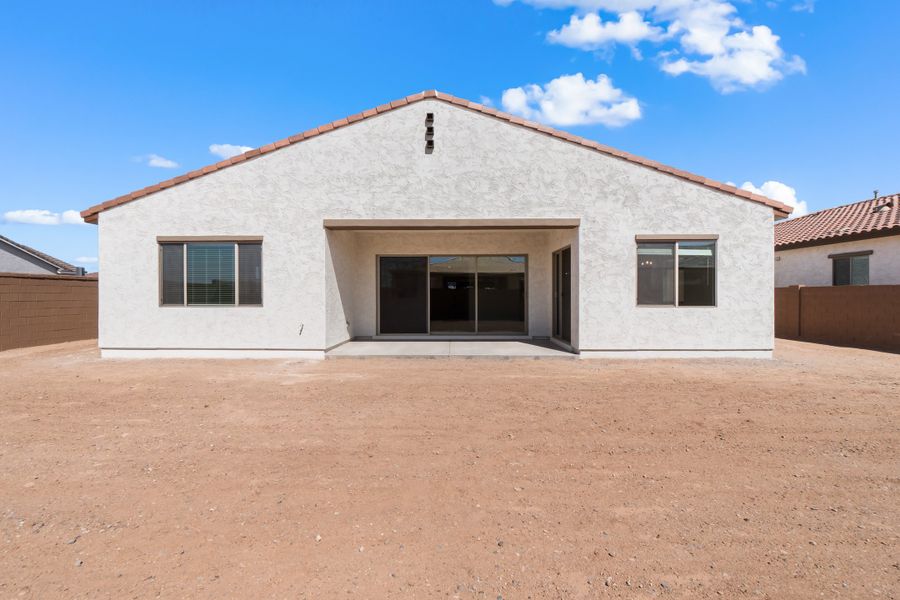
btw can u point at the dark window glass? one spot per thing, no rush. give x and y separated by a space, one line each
696 273
841 271
250 273
501 294
403 299
452 294
850 270
210 274
656 273
859 270
172 273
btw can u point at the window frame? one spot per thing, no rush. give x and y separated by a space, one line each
849 256
676 240
235 241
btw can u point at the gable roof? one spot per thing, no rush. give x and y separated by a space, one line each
781 210
870 218
61 266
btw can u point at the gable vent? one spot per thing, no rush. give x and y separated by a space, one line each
429 133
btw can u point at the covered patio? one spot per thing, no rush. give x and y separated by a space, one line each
451 287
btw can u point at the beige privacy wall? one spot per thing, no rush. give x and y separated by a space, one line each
481 168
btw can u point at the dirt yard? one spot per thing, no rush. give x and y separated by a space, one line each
450 478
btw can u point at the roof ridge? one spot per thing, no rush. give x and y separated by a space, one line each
90 214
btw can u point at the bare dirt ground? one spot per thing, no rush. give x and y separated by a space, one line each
450 478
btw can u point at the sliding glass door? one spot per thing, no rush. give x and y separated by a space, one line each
501 294
446 295
452 294
403 294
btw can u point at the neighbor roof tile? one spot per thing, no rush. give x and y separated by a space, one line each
868 218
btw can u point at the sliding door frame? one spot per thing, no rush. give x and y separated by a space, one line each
428 332
556 274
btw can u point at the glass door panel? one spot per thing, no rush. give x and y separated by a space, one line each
403 294
501 294
452 294
562 294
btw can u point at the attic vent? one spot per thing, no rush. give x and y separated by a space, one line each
889 204
429 133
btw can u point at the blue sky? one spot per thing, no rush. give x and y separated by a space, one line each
102 98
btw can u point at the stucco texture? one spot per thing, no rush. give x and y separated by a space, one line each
811 265
481 168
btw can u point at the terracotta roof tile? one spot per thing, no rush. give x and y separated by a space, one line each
781 210
869 218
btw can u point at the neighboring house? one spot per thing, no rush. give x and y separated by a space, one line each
855 244
435 217
19 258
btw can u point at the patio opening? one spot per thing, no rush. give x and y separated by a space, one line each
453 280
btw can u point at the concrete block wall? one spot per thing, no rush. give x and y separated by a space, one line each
46 309
863 316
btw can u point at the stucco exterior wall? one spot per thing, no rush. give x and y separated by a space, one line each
481 168
811 266
13 260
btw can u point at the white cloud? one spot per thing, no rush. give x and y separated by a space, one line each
805 6
37 216
573 100
72 217
781 192
702 37
86 260
485 100
747 60
228 150
155 160
590 32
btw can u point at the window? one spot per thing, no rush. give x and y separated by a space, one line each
850 268
656 273
211 273
697 273
676 273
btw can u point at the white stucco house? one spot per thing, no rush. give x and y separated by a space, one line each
853 244
433 217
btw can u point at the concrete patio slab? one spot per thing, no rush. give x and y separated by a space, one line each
432 349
